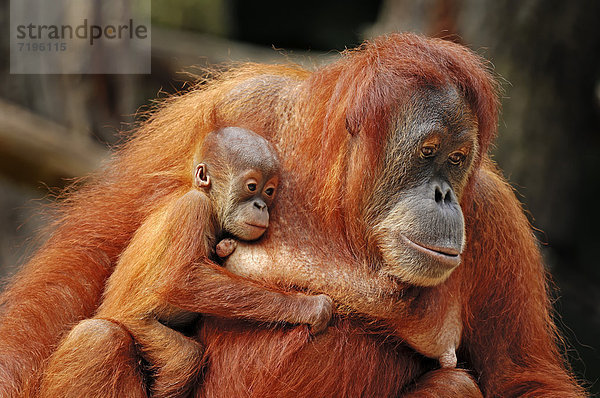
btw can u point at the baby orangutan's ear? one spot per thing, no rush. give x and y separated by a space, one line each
201 177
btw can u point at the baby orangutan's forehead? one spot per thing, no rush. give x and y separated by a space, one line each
239 149
249 155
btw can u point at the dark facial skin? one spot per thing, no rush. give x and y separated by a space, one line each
419 228
240 172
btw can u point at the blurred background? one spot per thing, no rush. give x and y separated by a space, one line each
547 53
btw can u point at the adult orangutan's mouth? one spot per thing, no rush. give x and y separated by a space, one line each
257 226
448 256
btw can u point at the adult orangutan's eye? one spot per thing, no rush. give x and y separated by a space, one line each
457 157
428 151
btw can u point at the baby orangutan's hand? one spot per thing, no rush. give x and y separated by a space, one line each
225 247
324 311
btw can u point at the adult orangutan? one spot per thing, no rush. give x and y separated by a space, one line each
378 151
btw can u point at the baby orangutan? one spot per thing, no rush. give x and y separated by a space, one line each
235 177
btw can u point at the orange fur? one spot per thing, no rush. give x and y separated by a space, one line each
509 340
166 277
